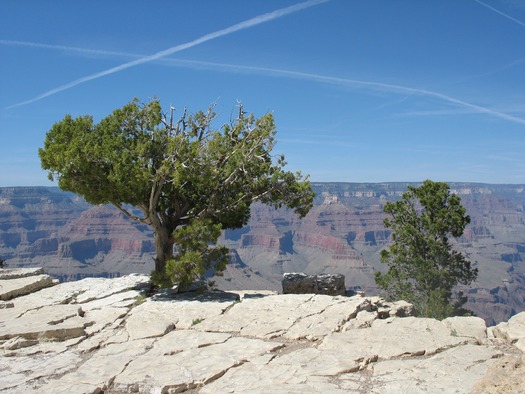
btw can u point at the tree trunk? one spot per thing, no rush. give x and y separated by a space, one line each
163 247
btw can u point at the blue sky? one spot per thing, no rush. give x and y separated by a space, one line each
361 91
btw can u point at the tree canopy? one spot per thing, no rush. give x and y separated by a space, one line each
188 179
423 267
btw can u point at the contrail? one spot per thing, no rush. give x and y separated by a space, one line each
66 48
501 13
352 83
211 36
394 88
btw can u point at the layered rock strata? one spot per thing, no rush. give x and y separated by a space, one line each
103 335
343 233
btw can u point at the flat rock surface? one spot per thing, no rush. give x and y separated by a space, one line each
14 273
104 335
18 286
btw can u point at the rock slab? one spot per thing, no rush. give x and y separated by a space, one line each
23 285
104 335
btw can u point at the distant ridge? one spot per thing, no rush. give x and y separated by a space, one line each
344 233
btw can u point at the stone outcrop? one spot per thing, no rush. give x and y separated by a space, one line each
300 283
103 335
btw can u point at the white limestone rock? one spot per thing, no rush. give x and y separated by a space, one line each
471 327
505 376
124 299
99 288
363 319
15 273
191 368
12 288
331 319
150 319
455 370
97 373
158 316
56 322
512 330
102 335
16 374
275 315
297 372
396 337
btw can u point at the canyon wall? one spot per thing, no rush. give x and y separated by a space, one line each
343 233
71 239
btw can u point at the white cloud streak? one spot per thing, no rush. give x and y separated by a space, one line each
83 51
501 13
159 55
370 85
350 83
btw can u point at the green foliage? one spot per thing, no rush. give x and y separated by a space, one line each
177 173
194 254
139 300
423 267
194 322
161 279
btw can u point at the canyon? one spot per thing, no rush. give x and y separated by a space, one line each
343 233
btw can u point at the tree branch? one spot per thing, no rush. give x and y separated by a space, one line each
131 216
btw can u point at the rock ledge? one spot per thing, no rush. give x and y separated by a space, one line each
103 335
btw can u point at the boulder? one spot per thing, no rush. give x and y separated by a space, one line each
330 284
327 284
298 283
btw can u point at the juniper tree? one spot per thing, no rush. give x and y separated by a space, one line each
188 180
423 268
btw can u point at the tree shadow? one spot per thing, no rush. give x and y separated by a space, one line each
206 296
